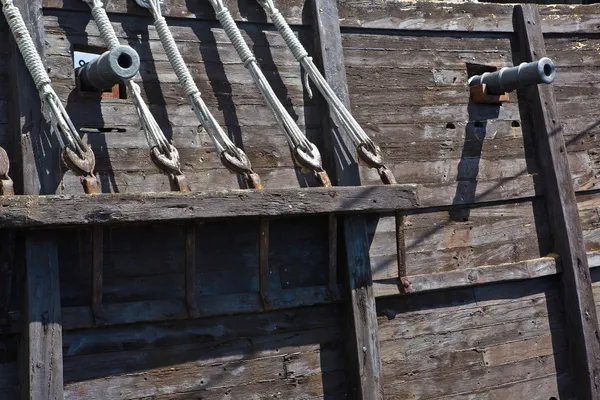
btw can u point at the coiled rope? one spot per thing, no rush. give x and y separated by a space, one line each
165 153
367 149
77 155
232 156
305 153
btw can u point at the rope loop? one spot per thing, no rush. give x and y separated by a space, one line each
167 161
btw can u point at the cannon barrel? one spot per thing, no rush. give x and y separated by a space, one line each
512 78
110 68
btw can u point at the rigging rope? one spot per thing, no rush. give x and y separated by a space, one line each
306 154
76 154
367 149
232 156
165 154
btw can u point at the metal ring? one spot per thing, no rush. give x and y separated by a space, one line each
237 162
82 166
372 156
168 165
305 160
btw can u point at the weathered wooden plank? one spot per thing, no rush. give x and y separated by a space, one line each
363 361
7 259
30 211
463 17
42 361
581 318
97 272
208 305
471 277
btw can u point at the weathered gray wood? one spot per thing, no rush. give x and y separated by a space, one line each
363 362
41 358
97 272
7 257
43 326
190 270
470 277
39 211
580 310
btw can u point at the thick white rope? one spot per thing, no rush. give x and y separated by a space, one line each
220 139
305 150
350 125
159 145
53 110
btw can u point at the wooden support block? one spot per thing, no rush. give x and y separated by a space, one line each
190 270
97 273
580 310
479 94
263 263
41 360
7 257
360 331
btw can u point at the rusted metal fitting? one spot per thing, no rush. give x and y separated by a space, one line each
179 183
83 167
386 175
370 154
253 181
405 285
323 178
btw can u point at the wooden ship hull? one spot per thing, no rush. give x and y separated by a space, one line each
473 277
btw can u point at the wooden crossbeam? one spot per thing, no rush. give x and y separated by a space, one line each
580 310
363 362
77 210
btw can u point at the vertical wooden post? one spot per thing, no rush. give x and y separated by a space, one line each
7 253
41 361
363 362
403 281
97 273
263 263
580 310
190 270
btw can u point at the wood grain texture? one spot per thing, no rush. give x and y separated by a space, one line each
582 321
363 360
38 211
470 343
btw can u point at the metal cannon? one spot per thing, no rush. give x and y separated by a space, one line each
110 68
511 78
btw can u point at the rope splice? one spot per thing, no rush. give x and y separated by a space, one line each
305 153
75 153
163 153
368 151
231 156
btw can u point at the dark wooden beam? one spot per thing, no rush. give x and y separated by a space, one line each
190 270
47 211
7 258
43 326
580 310
41 362
97 272
363 362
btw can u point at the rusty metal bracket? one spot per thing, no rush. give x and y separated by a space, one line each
240 164
170 166
83 167
373 157
403 281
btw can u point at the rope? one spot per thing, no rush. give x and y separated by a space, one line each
357 134
53 110
159 145
219 138
305 152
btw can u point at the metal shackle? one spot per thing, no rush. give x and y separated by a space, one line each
512 78
110 68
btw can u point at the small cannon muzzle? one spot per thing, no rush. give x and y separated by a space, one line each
509 79
110 68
